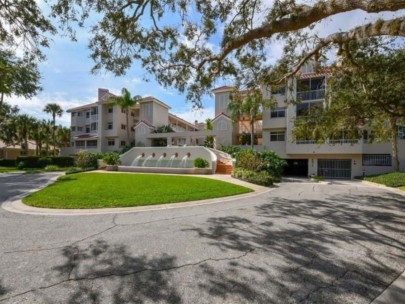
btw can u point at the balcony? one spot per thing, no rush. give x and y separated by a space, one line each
335 146
311 95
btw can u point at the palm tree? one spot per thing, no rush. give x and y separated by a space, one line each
55 110
24 124
63 136
125 101
209 140
36 134
46 127
250 105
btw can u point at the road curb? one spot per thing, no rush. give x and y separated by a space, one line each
383 187
394 293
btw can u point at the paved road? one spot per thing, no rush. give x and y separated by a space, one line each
301 243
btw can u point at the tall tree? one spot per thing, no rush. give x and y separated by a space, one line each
369 95
17 76
209 140
63 135
176 45
250 104
24 123
55 110
125 101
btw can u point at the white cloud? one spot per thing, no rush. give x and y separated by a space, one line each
35 106
187 113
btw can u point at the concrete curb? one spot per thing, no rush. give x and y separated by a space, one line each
17 206
394 293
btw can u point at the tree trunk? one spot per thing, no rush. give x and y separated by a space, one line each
128 139
252 134
394 144
54 134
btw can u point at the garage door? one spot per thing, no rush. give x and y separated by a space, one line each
335 168
296 167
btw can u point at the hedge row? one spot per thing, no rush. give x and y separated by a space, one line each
262 178
7 163
42 162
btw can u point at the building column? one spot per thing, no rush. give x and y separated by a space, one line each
169 141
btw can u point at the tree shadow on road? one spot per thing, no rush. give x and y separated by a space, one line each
343 249
3 290
101 271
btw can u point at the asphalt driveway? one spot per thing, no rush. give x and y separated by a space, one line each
301 243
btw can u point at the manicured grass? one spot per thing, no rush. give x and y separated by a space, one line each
98 190
402 188
395 179
8 169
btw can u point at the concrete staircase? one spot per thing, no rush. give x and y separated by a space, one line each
223 168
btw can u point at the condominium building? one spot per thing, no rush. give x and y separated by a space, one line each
337 158
101 126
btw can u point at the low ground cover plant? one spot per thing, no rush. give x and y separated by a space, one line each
394 179
201 163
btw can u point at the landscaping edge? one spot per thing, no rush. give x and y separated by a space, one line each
17 206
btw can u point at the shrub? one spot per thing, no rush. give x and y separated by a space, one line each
44 161
86 159
74 170
262 178
394 179
231 150
63 161
248 159
29 161
272 163
201 163
112 158
51 168
20 165
7 163
125 149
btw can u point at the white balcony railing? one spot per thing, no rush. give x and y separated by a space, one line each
330 142
311 95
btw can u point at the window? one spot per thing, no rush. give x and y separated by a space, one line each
23 153
146 109
401 132
111 142
278 112
92 143
123 143
110 109
93 126
123 111
79 114
87 114
311 84
72 143
132 113
80 143
87 128
73 114
80 129
94 111
277 136
110 125
377 160
305 108
123 127
73 129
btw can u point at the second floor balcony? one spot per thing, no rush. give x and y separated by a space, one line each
311 95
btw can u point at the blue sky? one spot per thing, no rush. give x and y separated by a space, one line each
66 77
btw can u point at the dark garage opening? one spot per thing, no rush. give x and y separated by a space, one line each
296 167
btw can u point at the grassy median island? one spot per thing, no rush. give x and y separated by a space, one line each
98 190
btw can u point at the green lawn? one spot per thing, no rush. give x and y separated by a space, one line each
402 188
98 190
8 169
395 179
